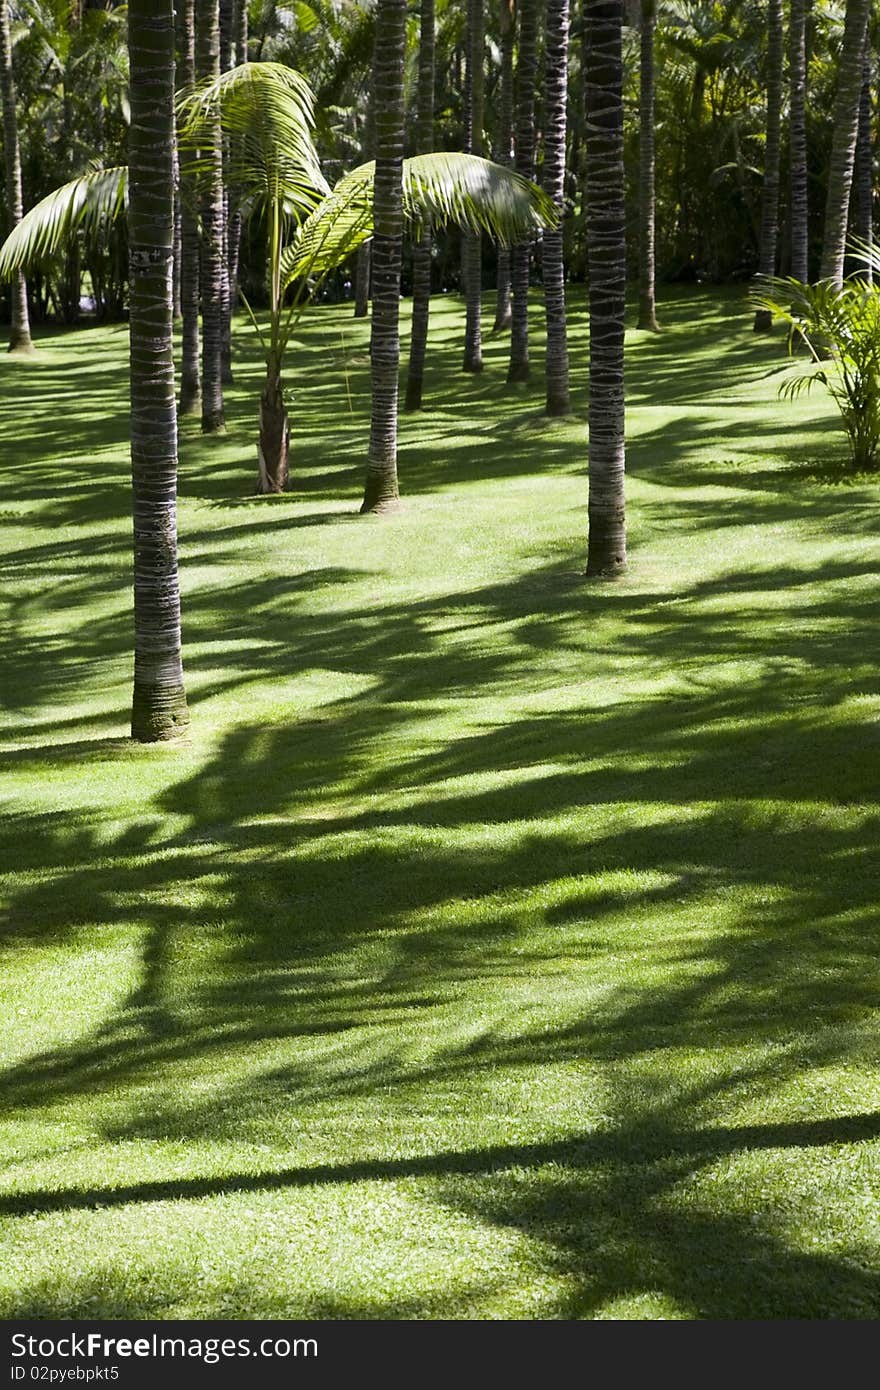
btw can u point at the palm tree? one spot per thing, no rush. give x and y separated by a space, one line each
213 264
770 194
606 255
526 78
797 138
843 148
20 334
504 152
190 379
472 245
422 251
555 94
647 169
159 702
862 213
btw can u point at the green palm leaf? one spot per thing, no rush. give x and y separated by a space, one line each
88 203
438 189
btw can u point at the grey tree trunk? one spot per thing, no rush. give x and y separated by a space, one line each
159 702
20 333
606 258
422 251
770 193
213 262
797 126
381 492
227 60
504 155
843 148
862 213
362 272
472 244
233 249
190 375
647 171
526 81
555 97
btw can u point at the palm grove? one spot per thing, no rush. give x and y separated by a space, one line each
209 160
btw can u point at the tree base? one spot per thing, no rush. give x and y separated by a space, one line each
158 715
274 448
472 364
413 399
213 422
648 324
763 321
518 373
558 405
502 324
190 400
21 347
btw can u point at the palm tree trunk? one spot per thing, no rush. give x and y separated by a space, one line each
227 61
233 249
362 270
422 251
770 193
526 78
159 702
843 148
862 214
20 334
213 267
190 377
555 95
797 69
274 446
381 492
504 155
472 243
647 169
606 257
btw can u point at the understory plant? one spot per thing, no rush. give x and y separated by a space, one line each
840 328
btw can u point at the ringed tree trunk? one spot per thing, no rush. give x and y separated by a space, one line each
190 377
606 258
20 333
213 263
504 155
381 491
159 702
233 249
526 78
363 258
472 243
862 213
555 95
227 61
274 441
647 171
797 70
843 149
770 194
422 250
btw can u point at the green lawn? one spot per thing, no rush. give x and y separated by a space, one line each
499 944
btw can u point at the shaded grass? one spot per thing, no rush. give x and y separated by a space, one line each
499 944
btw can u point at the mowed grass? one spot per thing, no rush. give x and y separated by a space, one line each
499 944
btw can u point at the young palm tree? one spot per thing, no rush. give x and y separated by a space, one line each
159 702
504 152
190 378
770 194
422 251
20 334
797 138
526 78
555 95
606 256
213 263
843 148
647 169
380 491
472 244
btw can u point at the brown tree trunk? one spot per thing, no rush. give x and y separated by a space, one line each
274 433
504 155
213 262
422 251
526 81
190 374
797 69
770 193
647 198
472 243
843 149
555 96
20 334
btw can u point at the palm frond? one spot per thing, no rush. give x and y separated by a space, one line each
268 111
88 203
438 189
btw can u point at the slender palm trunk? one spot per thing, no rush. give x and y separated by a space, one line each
227 61
843 148
472 243
159 702
20 334
526 78
647 170
862 214
190 376
770 193
233 249
504 155
381 493
797 77
422 251
213 267
363 267
606 256
274 425
555 95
